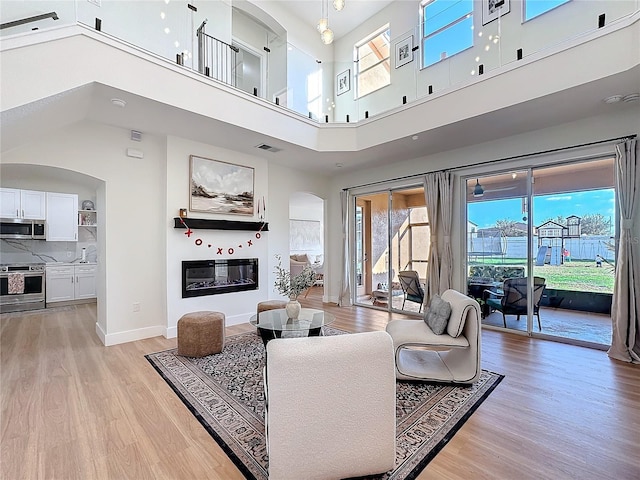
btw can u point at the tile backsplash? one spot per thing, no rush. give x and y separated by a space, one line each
35 251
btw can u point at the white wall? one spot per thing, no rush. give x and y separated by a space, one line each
625 121
545 31
237 306
132 220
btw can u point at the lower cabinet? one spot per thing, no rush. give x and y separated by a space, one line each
70 282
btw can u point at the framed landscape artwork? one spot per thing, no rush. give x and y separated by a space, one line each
404 51
343 82
220 187
492 9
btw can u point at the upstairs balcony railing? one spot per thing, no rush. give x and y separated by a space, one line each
257 61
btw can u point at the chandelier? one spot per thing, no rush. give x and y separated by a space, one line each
326 34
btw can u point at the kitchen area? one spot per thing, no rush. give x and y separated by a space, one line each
48 247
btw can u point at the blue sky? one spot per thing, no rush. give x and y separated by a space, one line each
485 214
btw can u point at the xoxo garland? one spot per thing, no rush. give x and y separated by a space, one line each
220 250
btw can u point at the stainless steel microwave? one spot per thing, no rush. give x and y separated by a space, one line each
22 229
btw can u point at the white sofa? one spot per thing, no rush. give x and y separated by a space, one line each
452 357
330 406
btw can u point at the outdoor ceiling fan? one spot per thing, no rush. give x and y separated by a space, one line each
479 190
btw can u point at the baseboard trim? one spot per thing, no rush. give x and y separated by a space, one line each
133 335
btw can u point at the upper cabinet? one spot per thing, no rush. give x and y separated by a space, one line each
62 217
29 204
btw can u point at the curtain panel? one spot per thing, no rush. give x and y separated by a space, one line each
433 269
625 341
445 187
344 297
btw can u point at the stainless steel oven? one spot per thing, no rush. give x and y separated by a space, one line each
22 229
22 287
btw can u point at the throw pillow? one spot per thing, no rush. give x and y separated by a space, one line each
437 315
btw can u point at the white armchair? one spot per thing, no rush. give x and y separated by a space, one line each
330 406
452 357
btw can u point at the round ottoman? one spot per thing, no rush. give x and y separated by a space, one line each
270 305
200 334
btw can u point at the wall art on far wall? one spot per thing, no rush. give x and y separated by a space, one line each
220 187
343 82
305 235
404 51
492 9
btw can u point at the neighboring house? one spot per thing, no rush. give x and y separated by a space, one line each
60 128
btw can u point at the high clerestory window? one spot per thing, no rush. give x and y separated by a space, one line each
447 29
372 65
533 8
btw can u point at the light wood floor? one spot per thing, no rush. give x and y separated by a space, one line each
74 409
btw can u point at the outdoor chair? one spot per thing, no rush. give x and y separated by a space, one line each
413 291
513 299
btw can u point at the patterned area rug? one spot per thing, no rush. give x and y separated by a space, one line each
225 393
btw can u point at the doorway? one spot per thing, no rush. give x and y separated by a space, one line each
248 71
392 235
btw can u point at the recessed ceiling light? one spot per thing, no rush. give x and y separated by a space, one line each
118 102
415 137
632 97
613 99
338 165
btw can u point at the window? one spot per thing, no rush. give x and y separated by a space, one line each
533 8
372 64
447 29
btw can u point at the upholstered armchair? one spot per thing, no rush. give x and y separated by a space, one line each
452 357
330 406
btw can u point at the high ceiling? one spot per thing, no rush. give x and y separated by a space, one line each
354 13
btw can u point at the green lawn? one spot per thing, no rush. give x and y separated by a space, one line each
577 275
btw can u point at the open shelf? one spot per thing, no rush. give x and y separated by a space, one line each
206 224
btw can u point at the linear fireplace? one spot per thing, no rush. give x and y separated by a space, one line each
212 277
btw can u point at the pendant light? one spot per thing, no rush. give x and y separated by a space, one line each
478 190
338 4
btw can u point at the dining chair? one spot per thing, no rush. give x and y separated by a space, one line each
513 299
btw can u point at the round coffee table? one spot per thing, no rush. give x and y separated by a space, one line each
276 324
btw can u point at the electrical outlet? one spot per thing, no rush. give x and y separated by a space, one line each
136 307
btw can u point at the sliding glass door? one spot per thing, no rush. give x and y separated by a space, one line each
391 236
541 249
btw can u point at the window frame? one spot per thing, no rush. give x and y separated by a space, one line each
356 60
524 9
423 38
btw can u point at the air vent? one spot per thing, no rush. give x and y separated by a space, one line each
136 136
269 148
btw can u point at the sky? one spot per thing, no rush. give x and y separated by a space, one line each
485 214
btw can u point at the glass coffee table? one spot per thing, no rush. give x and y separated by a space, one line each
276 324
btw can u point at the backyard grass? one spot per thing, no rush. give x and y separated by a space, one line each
576 275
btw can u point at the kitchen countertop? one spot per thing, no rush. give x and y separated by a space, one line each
68 264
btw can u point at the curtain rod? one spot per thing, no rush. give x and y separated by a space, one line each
496 160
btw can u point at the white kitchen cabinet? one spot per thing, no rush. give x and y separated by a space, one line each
60 285
28 204
70 282
85 281
62 217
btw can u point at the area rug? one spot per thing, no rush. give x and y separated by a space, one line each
225 393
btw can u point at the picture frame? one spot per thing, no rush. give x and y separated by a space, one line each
343 82
404 51
492 9
220 187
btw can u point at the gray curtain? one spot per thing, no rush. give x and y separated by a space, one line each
445 186
625 341
344 297
433 267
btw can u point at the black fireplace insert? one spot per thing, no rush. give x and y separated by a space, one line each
212 277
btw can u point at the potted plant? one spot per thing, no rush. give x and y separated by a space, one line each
293 286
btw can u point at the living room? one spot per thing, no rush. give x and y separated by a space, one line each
140 250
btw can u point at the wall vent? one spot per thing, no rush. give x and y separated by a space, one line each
269 148
136 136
